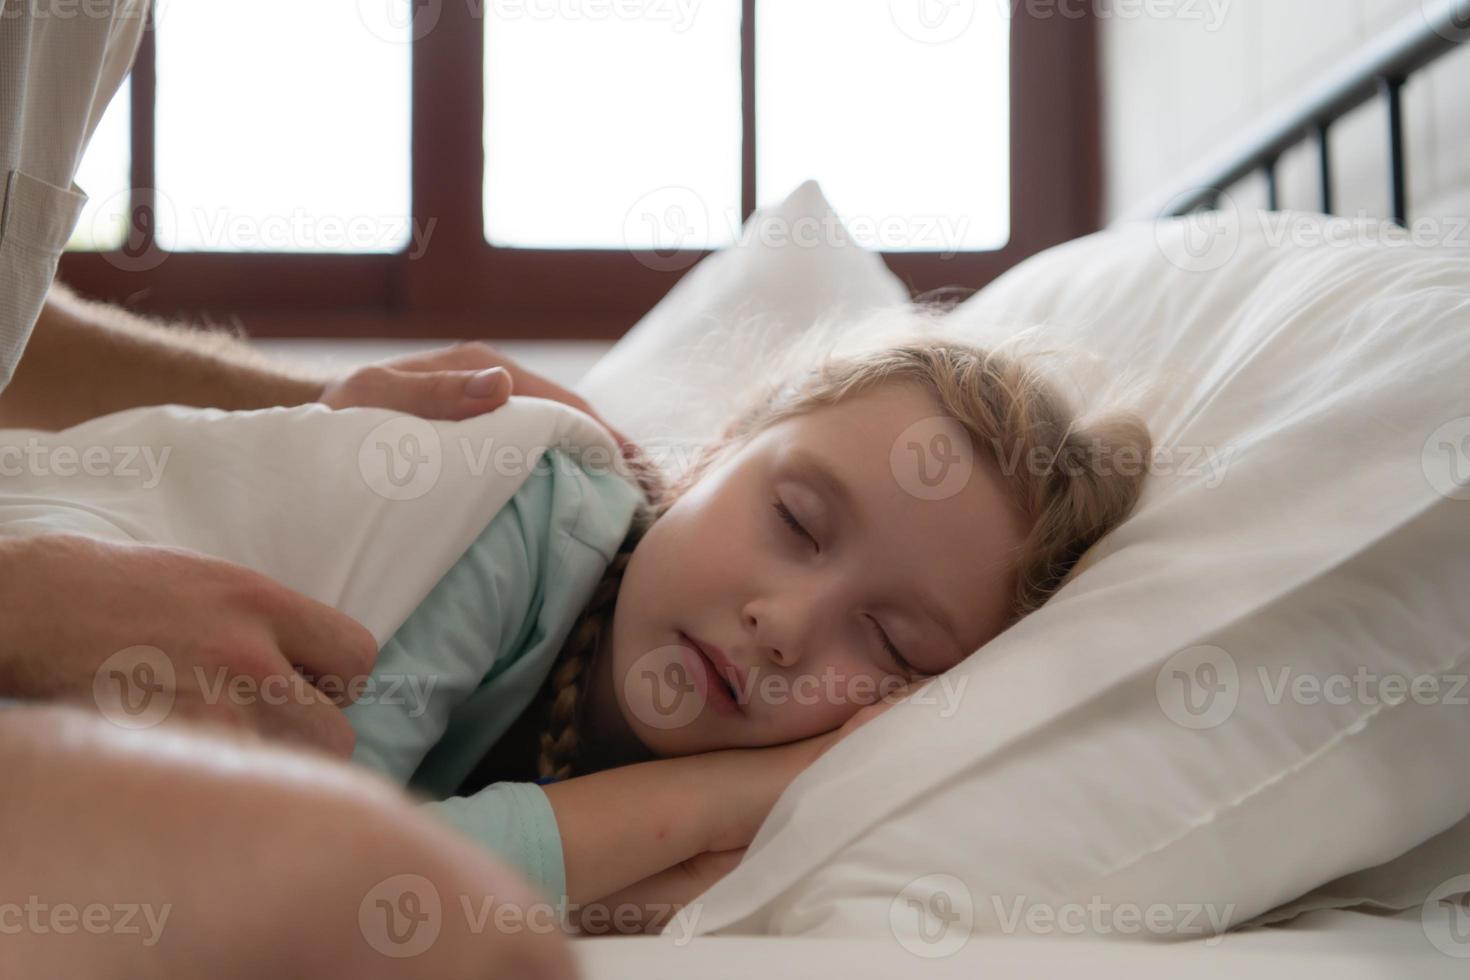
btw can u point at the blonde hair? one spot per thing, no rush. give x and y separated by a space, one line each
1009 406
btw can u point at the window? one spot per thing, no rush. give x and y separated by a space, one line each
909 139
513 168
103 173
638 147
311 155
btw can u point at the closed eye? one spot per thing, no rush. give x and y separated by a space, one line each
790 521
793 523
903 665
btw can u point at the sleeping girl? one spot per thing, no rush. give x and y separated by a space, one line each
628 672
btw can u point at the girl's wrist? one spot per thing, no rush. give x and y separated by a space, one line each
742 786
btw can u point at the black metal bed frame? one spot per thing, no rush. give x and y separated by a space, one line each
1379 70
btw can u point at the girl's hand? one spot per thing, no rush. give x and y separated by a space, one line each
703 870
744 801
821 743
652 899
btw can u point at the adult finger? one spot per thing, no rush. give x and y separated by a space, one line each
295 711
474 357
267 698
331 648
451 395
458 357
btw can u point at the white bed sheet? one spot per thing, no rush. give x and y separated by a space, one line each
1341 944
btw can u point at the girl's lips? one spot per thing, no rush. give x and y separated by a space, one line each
707 681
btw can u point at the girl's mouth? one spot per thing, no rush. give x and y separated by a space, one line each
712 687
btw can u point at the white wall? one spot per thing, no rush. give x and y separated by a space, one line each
1175 87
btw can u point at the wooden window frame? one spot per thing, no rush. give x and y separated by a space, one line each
464 287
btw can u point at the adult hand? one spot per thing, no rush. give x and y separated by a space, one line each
452 383
199 847
145 634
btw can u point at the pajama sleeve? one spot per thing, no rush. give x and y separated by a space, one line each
515 820
472 657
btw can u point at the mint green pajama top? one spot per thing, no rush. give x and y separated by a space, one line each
470 658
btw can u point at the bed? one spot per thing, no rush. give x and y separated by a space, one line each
1344 944
1325 376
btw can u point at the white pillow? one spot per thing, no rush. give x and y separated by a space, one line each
1058 782
705 340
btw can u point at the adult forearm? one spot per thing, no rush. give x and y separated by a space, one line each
87 359
165 825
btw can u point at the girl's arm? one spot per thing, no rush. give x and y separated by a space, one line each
621 826
651 903
685 807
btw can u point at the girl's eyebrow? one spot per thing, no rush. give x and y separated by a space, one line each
815 468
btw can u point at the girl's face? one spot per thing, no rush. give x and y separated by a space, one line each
903 536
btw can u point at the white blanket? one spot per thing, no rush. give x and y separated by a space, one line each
362 509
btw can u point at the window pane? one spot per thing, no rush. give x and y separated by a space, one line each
282 126
612 125
900 108
104 175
